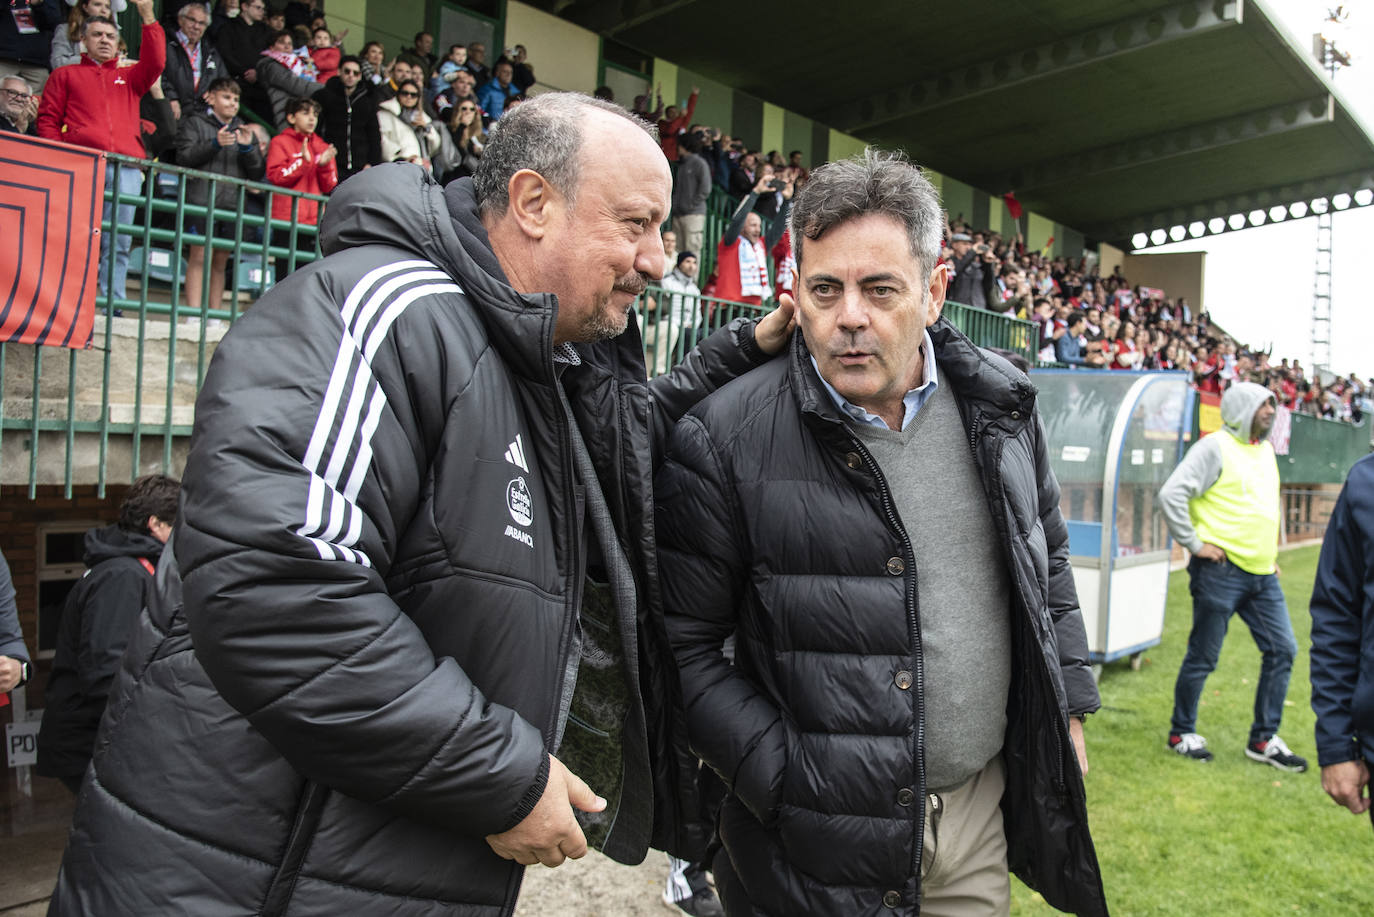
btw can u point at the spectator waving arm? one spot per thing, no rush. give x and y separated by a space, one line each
152 50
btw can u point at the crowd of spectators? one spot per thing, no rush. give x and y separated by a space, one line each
206 79
291 70
1091 321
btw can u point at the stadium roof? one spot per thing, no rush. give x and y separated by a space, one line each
1113 117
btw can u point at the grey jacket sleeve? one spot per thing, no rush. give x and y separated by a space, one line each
11 637
1197 472
273 75
64 50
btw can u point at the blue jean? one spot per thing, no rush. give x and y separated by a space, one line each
130 182
1220 590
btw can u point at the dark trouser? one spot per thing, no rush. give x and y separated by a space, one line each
1220 590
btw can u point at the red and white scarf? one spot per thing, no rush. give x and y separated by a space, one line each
753 269
298 62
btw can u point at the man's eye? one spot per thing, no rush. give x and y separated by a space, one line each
882 291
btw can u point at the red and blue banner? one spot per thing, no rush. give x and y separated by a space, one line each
50 201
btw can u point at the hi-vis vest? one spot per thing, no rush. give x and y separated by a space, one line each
1240 512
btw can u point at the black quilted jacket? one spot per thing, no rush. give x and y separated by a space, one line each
776 526
380 556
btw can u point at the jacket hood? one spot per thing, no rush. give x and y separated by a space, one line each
399 205
113 541
1238 407
390 105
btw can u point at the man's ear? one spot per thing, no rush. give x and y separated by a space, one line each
533 203
939 284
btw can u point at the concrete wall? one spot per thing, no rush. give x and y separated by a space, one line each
772 132
1109 259
1039 231
958 199
1177 274
842 146
393 23
563 55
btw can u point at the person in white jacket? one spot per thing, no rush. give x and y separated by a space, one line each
408 134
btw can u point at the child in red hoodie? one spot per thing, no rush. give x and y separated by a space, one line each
300 160
325 54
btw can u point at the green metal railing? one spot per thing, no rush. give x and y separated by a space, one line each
75 393
672 323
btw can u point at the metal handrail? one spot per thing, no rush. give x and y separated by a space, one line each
51 417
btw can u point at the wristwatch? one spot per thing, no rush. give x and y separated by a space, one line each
23 673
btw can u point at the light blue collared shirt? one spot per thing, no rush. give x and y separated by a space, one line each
912 400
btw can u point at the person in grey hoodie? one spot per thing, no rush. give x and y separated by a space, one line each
1222 504
691 187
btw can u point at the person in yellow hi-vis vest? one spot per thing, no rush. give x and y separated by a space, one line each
1222 504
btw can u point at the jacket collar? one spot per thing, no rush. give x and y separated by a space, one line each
111 64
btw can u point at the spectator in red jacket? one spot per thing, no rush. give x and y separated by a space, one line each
95 104
325 54
299 159
674 123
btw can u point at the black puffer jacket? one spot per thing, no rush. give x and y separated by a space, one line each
349 121
97 621
179 77
776 526
380 553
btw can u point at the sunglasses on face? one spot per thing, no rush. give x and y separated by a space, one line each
407 94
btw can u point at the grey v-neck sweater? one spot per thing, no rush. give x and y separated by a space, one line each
962 588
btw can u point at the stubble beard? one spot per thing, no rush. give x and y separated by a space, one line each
608 320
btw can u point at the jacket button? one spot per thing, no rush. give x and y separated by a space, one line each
896 566
853 460
1015 415
903 679
892 899
905 797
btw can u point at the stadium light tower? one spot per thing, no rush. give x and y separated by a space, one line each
1332 58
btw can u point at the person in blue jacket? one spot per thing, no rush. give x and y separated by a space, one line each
1343 644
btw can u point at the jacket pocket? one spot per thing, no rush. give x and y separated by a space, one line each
303 829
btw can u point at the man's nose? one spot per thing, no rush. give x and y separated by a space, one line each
853 310
650 257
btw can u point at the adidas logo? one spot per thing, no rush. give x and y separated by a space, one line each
515 454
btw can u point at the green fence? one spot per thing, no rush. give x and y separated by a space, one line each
1321 451
149 351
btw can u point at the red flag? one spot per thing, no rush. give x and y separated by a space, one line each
1013 205
50 201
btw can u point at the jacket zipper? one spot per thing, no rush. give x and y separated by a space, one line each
918 685
348 129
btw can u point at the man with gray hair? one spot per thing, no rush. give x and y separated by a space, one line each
415 556
193 62
18 108
875 522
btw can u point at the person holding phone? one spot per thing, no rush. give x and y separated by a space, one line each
216 141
